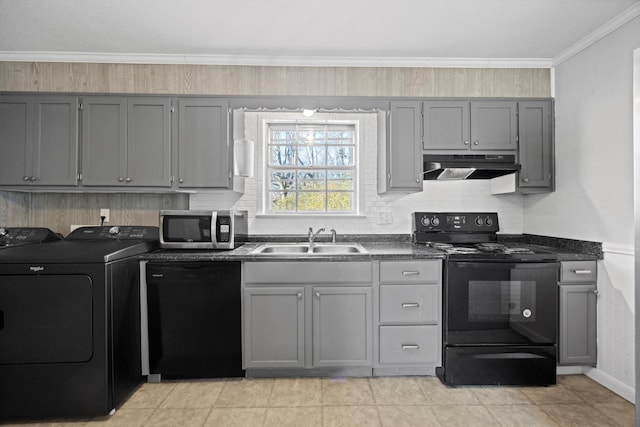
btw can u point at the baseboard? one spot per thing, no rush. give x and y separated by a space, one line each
612 384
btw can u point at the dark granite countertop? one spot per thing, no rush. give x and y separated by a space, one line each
399 250
378 246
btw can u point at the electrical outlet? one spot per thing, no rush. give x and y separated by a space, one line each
104 213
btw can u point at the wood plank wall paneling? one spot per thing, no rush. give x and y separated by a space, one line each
265 80
58 211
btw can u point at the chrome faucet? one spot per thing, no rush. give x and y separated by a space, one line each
333 235
312 236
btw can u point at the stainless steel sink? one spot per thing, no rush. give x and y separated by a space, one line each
337 249
284 249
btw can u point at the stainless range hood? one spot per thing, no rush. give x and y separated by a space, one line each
468 166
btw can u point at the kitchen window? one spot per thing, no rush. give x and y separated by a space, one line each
311 168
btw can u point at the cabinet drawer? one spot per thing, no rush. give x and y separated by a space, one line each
409 344
410 271
578 271
410 303
300 272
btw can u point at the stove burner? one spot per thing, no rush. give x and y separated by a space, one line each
491 247
463 250
518 251
440 245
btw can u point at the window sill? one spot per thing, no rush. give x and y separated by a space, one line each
310 215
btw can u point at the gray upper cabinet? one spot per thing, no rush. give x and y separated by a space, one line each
446 125
203 143
39 140
470 125
126 141
536 148
401 167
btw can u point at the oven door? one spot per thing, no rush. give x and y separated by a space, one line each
501 303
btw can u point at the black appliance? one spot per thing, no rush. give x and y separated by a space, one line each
499 302
11 237
69 339
194 320
468 166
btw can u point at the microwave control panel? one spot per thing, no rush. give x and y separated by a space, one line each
223 229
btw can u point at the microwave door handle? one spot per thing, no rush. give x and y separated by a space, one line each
214 228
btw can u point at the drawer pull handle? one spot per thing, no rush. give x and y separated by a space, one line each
410 305
410 273
581 271
410 347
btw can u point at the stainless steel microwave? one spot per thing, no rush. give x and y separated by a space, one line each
183 229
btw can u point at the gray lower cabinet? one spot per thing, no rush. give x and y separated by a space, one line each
535 146
126 141
203 143
38 140
342 326
410 301
307 314
577 323
400 168
274 326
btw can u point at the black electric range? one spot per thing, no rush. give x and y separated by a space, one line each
499 302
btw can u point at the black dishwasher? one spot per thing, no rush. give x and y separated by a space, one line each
194 319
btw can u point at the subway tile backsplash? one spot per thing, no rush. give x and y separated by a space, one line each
382 214
388 213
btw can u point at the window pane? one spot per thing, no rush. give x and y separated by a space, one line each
281 201
283 155
339 201
308 202
283 180
339 156
311 156
312 180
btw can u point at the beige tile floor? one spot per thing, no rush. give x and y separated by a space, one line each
391 401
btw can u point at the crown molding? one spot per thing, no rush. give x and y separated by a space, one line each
265 60
617 22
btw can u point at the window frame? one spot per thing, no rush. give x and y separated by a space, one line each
267 168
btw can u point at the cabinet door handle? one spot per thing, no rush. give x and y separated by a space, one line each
410 347
410 273
595 291
127 179
318 294
25 178
299 295
475 143
581 271
466 143
120 179
525 179
410 305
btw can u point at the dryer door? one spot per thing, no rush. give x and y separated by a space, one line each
45 319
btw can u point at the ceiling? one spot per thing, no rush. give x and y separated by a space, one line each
295 32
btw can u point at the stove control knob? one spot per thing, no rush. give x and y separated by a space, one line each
479 221
488 221
114 230
424 221
435 221
3 232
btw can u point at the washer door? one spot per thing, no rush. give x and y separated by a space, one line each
46 319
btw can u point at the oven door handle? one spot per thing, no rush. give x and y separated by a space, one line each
503 265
